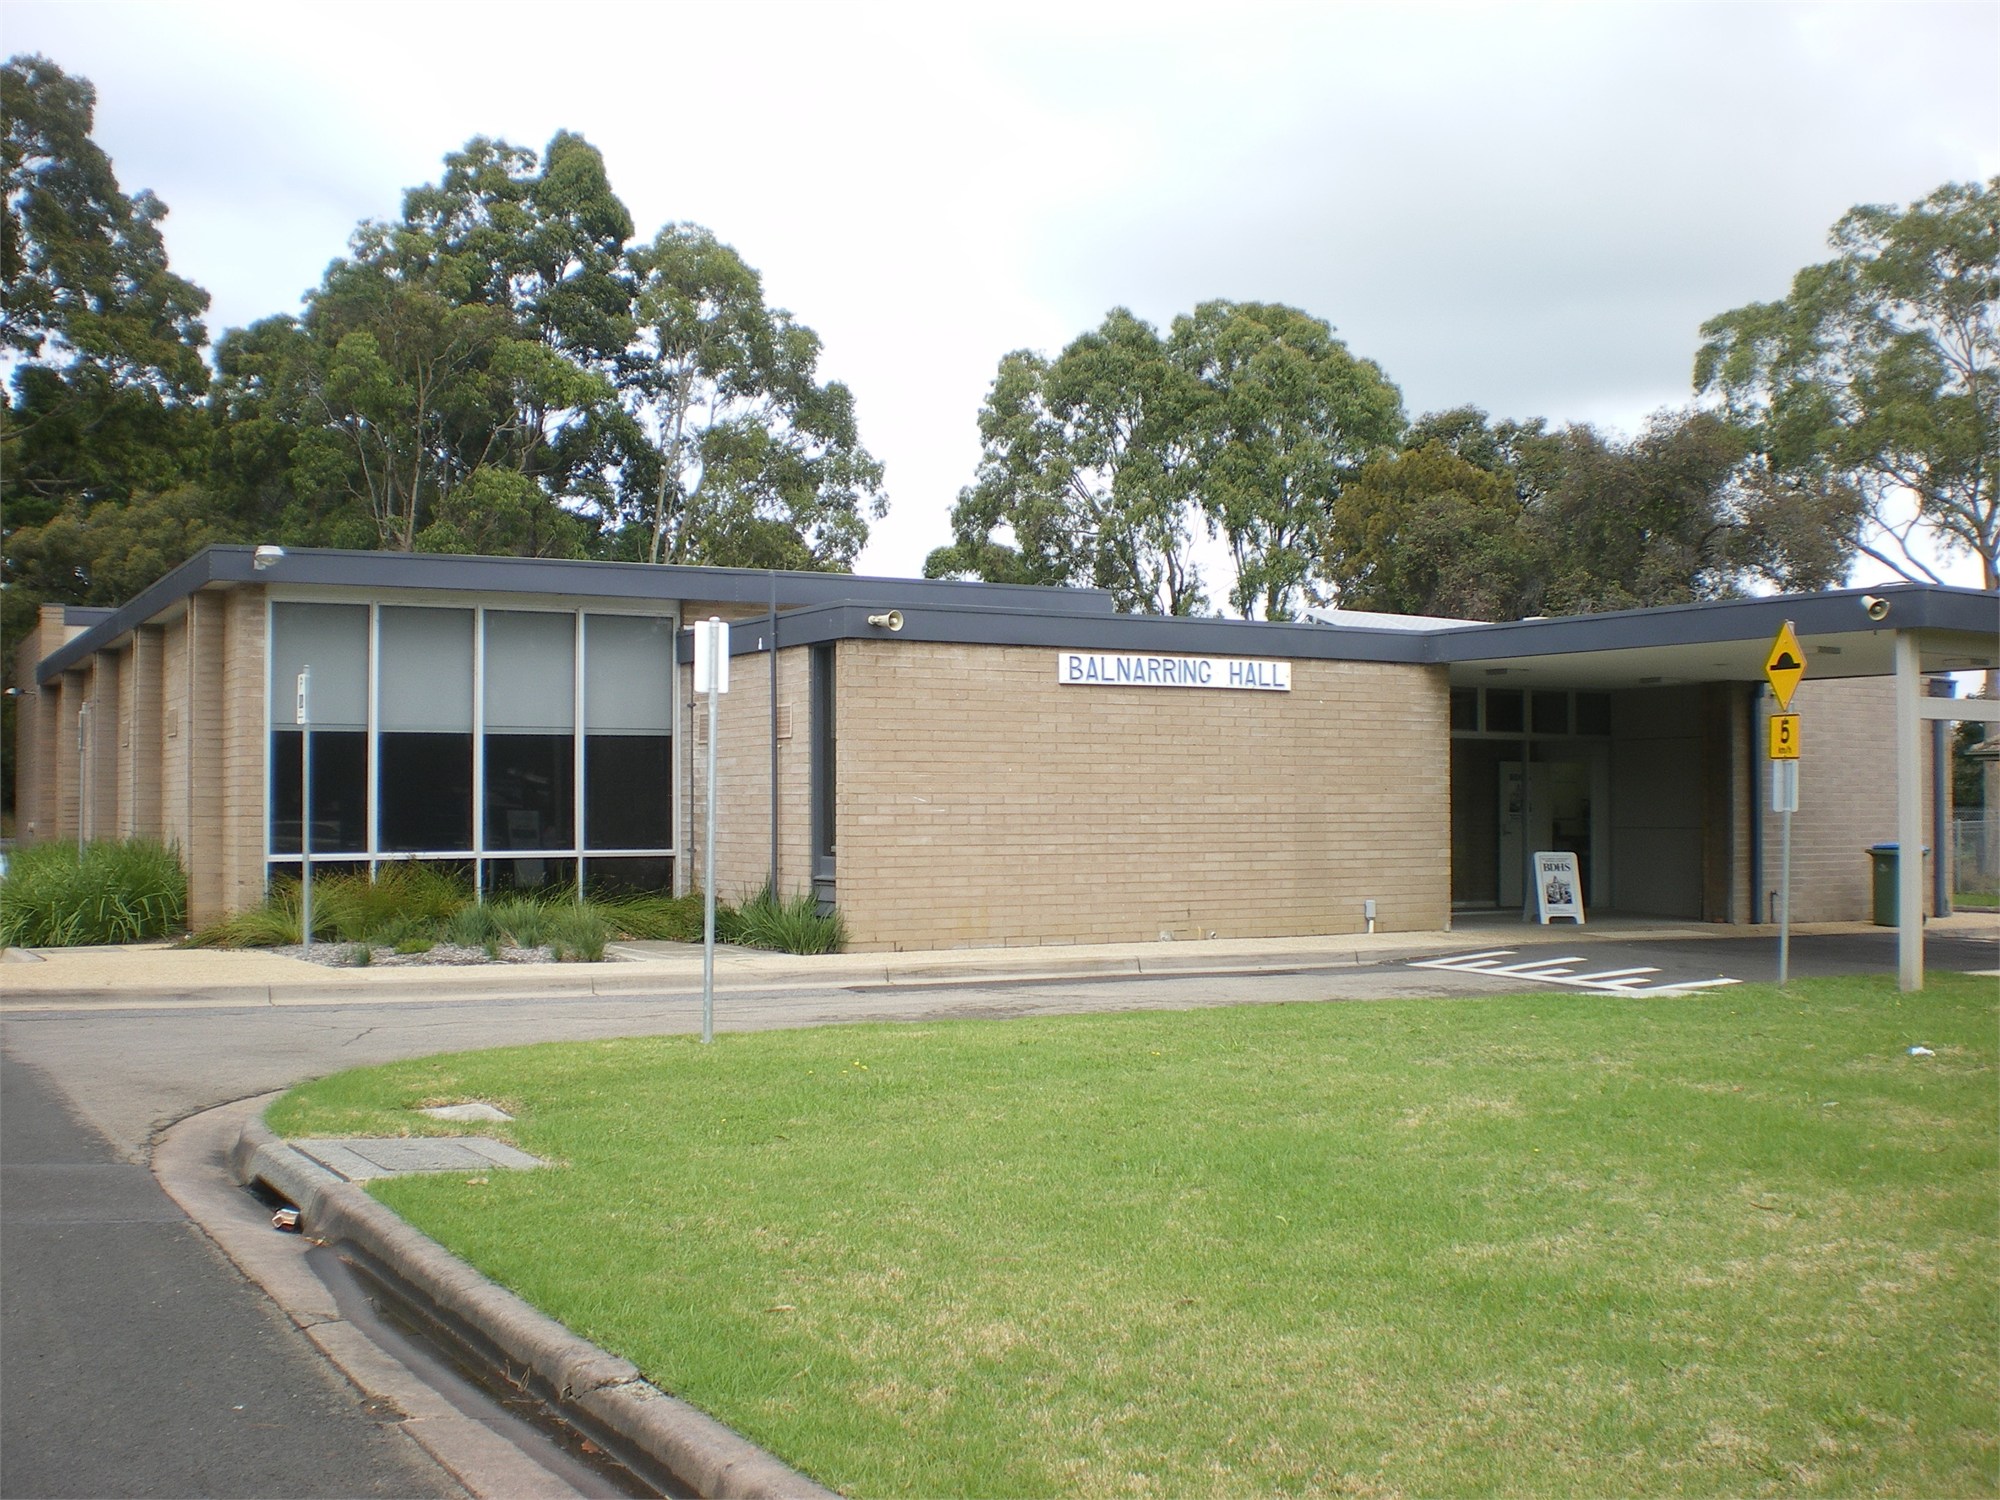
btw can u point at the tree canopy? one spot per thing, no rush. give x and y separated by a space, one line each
1104 465
1879 374
105 369
1494 521
1088 475
732 449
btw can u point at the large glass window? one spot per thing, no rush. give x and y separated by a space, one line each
628 713
530 730
330 643
424 754
467 738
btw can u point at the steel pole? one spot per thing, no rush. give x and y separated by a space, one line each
1784 897
306 833
708 882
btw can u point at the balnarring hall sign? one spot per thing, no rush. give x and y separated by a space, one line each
1111 669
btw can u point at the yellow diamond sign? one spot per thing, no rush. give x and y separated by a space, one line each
1785 665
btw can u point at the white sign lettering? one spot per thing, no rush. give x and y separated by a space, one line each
1111 669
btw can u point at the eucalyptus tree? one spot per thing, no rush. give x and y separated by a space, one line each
446 387
1878 376
1088 474
103 341
734 451
1285 418
1425 532
101 347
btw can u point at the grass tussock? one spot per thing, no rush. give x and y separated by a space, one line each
789 925
1722 1244
115 891
411 908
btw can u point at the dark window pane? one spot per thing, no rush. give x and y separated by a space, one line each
425 796
530 791
1552 713
624 877
1465 709
340 791
825 751
628 791
1504 710
530 875
1593 713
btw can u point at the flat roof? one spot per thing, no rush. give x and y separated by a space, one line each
1710 641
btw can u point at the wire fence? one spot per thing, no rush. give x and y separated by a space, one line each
1976 855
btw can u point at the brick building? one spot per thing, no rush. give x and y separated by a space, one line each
967 764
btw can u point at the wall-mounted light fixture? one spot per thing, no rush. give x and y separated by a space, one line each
266 556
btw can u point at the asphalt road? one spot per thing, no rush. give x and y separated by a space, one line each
136 1361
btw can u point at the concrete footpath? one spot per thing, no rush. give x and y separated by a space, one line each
163 974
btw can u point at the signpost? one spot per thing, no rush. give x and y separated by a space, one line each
306 806
1785 667
711 676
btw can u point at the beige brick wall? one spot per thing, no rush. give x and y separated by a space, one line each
982 803
240 734
175 731
40 722
102 731
743 776
1847 798
139 747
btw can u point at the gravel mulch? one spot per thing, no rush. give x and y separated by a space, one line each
337 955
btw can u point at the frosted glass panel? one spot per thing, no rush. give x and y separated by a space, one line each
628 675
426 669
333 640
530 672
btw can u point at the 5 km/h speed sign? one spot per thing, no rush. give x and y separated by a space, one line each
1784 737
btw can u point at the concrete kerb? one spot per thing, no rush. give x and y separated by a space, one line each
75 977
661 1437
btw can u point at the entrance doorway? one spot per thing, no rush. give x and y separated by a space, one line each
1551 804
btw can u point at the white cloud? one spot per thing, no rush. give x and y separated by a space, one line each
1527 207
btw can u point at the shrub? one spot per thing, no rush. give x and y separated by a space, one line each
791 925
403 903
117 891
577 932
398 900
521 920
667 919
272 923
472 927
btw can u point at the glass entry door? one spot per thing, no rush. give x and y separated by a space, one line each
1553 804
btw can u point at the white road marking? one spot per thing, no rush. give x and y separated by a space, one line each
1632 981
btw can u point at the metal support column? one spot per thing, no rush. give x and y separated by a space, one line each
1909 818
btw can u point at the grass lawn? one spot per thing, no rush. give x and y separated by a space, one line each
1735 1243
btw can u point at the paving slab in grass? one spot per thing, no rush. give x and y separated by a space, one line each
364 1158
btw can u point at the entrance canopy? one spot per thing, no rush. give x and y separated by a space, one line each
1728 640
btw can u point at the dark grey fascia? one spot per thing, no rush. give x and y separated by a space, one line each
1929 607
438 572
980 625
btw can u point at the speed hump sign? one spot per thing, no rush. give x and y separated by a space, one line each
1784 667
1784 736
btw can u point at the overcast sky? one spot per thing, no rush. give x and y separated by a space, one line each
1530 208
